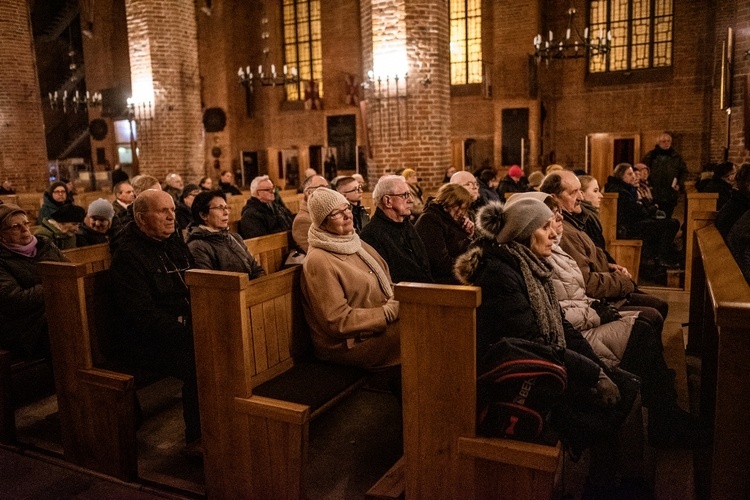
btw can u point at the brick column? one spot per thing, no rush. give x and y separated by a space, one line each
23 152
408 119
162 37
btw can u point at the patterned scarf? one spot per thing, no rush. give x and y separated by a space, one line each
537 276
347 245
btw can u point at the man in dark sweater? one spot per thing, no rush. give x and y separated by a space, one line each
393 236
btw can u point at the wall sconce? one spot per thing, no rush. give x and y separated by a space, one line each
391 94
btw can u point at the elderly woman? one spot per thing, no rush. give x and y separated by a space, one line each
23 327
446 229
212 244
54 198
346 288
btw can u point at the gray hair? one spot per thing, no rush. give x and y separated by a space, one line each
256 181
385 186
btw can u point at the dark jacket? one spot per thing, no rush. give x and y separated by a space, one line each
23 326
361 217
60 239
738 204
592 226
227 188
486 192
87 236
629 210
260 219
149 290
719 185
508 185
666 165
400 246
222 251
183 214
506 310
447 240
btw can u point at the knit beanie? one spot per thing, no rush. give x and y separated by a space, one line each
514 221
101 208
8 209
515 171
69 213
322 202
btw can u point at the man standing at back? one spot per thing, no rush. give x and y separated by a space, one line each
262 215
668 174
152 302
393 236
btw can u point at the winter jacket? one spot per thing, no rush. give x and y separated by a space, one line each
60 239
87 236
260 219
736 207
666 165
592 226
49 207
343 304
508 185
447 240
222 251
629 210
400 246
719 185
228 188
23 326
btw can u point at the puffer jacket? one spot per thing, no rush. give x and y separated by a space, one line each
609 340
222 251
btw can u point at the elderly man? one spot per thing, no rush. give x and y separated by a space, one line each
668 173
602 279
302 220
262 214
151 299
469 182
225 183
351 188
96 224
393 236
173 185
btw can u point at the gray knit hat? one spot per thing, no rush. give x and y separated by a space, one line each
101 208
514 221
322 202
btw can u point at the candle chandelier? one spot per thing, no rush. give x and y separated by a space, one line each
74 101
267 76
574 45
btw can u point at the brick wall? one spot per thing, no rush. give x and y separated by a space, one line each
164 57
23 154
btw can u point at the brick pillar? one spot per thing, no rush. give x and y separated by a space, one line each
408 119
23 152
162 37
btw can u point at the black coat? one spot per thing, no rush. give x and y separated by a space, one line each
227 188
508 185
23 325
592 226
87 236
260 219
222 251
400 246
447 240
738 204
629 210
719 186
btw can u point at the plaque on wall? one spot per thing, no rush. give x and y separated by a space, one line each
342 135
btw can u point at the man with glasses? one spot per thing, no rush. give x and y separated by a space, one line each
262 214
152 303
302 220
393 236
351 188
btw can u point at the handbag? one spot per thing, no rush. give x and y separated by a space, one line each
295 258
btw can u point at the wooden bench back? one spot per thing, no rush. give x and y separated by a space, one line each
270 251
720 325
700 211
443 457
292 200
96 406
31 203
96 257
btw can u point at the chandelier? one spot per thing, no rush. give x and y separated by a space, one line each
574 46
267 76
74 101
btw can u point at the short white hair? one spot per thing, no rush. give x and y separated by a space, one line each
256 181
385 186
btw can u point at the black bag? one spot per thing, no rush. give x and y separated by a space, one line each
519 383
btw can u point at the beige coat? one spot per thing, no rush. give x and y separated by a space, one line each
301 225
343 305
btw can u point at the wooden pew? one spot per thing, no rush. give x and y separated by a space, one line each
698 207
627 253
292 200
96 257
720 325
96 406
271 250
443 456
257 392
31 203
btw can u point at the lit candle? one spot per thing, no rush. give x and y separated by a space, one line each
239 72
247 70
87 95
586 33
550 35
285 70
567 34
273 70
294 71
260 70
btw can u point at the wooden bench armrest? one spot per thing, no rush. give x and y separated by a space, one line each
274 409
512 452
626 243
107 379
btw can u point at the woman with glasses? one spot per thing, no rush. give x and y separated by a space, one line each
346 290
23 327
212 244
55 197
445 224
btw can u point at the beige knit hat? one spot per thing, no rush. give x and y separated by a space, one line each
322 202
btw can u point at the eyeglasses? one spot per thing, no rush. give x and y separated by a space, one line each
59 191
340 213
470 183
405 195
18 227
355 190
223 208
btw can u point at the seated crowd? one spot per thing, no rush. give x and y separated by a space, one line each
539 257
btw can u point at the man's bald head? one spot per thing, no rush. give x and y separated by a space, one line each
468 181
154 213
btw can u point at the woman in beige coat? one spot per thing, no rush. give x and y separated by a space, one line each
346 289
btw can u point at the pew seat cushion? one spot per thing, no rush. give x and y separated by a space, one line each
312 383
